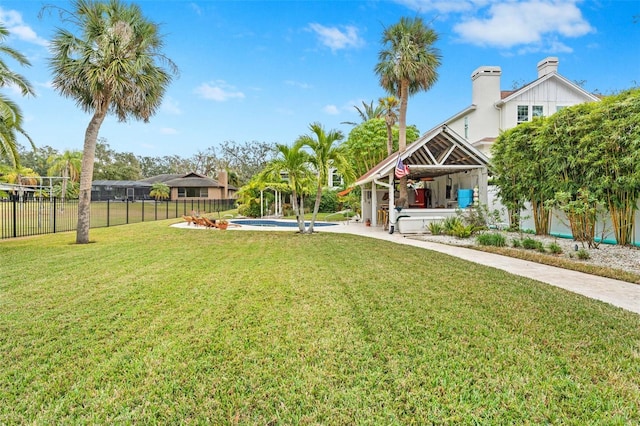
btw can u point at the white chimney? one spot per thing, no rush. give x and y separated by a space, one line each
486 85
547 66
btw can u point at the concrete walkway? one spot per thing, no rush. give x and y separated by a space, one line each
618 293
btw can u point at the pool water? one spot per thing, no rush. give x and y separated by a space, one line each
276 223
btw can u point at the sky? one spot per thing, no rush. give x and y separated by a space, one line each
265 70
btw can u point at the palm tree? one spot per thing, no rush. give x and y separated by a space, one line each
68 165
389 106
293 162
10 114
160 191
324 156
111 67
408 64
367 113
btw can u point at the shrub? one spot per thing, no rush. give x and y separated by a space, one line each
529 243
450 223
583 254
516 243
462 231
435 228
555 248
491 239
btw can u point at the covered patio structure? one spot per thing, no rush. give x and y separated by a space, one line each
446 173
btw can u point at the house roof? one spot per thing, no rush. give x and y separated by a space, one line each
121 183
438 152
508 95
189 180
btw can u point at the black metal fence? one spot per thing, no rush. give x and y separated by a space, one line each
21 218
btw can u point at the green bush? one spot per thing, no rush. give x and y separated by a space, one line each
516 243
491 239
529 243
462 231
436 228
555 248
450 223
583 254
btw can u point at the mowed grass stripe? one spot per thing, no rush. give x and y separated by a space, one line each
155 324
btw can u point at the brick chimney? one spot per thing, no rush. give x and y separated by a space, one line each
223 180
547 66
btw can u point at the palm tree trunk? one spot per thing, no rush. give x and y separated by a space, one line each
86 175
402 140
316 207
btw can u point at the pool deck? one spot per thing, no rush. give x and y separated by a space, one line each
618 293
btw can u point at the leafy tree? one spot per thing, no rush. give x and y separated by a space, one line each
10 114
110 67
325 156
160 191
37 159
613 140
367 143
67 165
522 173
245 160
407 64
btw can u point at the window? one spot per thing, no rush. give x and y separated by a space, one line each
560 107
336 178
193 192
523 113
536 111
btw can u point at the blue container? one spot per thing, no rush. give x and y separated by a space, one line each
465 197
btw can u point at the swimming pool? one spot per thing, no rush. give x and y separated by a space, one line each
276 223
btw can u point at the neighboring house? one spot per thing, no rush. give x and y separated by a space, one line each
195 186
449 163
190 186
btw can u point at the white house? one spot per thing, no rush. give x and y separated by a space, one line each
493 110
452 158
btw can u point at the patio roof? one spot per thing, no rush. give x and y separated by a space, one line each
440 151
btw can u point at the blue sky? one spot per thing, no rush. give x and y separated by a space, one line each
265 70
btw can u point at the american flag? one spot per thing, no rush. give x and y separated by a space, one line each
401 169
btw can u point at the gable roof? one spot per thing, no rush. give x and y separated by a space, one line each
508 95
438 152
189 180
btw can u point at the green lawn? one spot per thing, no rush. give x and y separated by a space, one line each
152 324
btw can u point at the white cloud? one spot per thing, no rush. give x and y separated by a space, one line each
331 110
218 91
536 22
298 84
168 131
17 28
337 39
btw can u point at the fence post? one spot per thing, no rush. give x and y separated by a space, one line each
55 216
108 212
15 219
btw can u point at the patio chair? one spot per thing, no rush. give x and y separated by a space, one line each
209 223
189 219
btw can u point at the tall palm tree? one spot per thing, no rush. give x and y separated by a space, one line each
68 165
10 114
389 107
324 156
407 64
294 162
367 112
112 66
